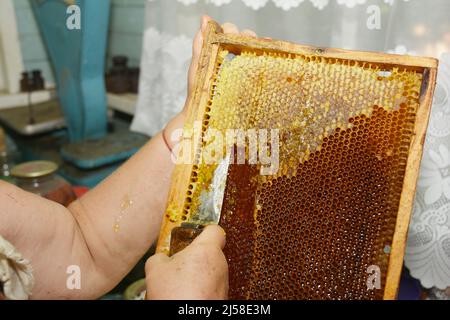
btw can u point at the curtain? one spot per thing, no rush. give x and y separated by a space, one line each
414 27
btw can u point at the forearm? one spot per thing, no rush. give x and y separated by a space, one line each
105 232
121 217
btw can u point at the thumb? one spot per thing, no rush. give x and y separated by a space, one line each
198 39
156 259
204 22
211 235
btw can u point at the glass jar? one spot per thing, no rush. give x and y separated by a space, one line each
39 177
117 79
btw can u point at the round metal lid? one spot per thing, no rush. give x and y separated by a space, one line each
34 169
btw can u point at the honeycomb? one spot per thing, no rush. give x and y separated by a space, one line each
312 228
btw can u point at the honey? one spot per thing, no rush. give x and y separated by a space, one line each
315 227
316 232
338 205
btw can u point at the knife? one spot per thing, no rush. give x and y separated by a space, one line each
208 213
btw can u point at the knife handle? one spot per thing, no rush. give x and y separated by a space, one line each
183 235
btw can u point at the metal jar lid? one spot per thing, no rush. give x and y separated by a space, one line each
34 169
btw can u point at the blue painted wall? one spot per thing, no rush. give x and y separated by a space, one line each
127 23
125 34
33 51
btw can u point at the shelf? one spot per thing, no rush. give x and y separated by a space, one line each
21 99
125 103
121 102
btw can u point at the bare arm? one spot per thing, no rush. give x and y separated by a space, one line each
111 227
90 233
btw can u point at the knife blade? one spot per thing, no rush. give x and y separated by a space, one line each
209 211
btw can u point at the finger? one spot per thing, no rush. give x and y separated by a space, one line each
212 234
156 259
197 45
248 33
230 28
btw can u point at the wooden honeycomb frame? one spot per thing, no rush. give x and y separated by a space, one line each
214 40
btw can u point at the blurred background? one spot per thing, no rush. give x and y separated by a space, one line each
84 84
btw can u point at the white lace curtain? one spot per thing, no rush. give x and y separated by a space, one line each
405 26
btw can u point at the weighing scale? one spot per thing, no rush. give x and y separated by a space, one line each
88 148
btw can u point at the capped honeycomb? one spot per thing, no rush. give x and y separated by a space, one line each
329 210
